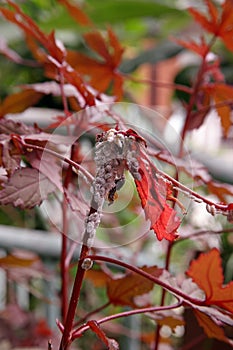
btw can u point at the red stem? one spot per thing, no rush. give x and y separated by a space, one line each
221 207
67 334
102 307
176 292
64 267
189 115
64 262
78 332
57 155
193 96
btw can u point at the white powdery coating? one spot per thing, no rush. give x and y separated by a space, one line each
91 224
112 154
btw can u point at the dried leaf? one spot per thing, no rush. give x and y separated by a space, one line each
122 291
26 188
9 155
211 329
207 273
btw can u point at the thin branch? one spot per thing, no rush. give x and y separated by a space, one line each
78 332
93 312
77 166
176 292
204 232
184 189
213 105
160 84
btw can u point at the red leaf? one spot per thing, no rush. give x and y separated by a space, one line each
116 46
201 48
209 25
211 329
104 71
219 24
152 193
76 12
97 43
207 273
26 188
30 28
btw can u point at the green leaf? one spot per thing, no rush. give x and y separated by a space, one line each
117 11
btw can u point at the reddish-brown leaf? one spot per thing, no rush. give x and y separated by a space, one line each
17 260
26 188
218 22
30 28
47 165
201 48
98 277
102 72
77 13
19 101
116 46
211 329
153 193
211 24
222 95
97 43
122 291
207 273
226 30
222 191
